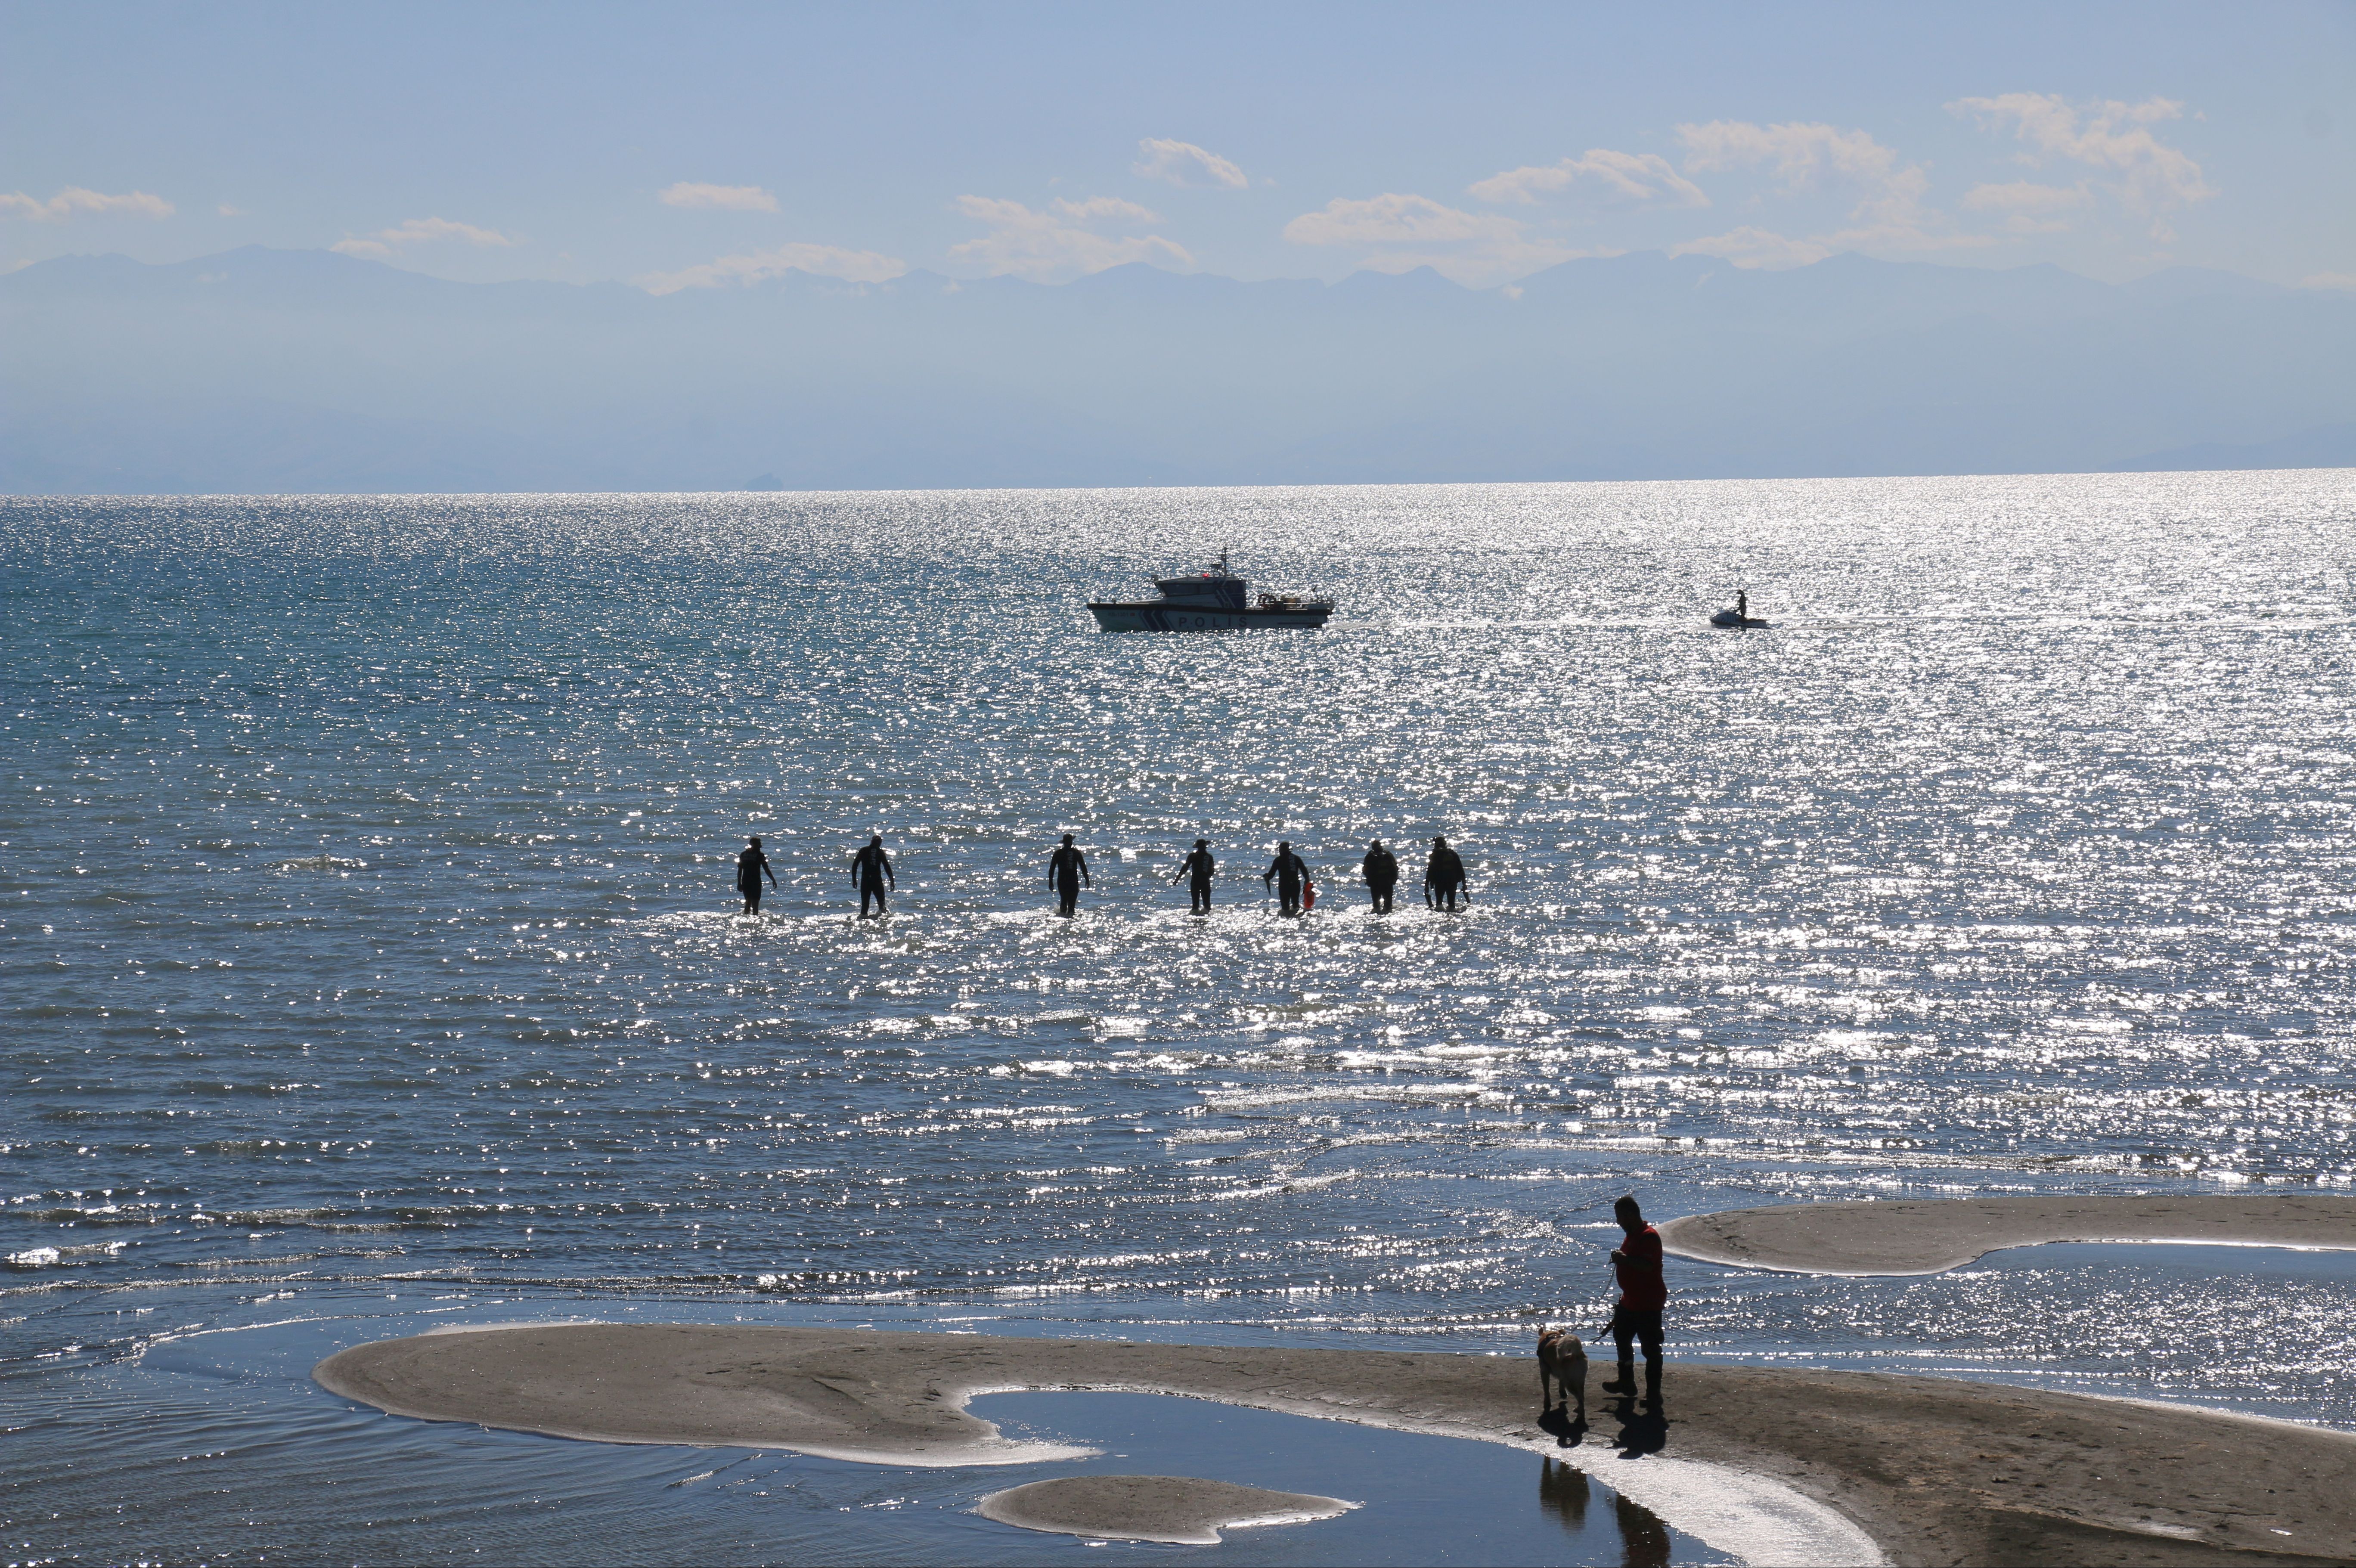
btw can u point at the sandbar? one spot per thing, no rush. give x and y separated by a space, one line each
1932 1236
1924 1470
1182 1510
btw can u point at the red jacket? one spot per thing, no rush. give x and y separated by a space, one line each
1642 1289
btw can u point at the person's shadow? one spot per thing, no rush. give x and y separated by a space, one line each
1643 1539
1643 1429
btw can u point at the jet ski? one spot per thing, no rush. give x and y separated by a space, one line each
1739 618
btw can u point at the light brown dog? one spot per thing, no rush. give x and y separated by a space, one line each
1562 1361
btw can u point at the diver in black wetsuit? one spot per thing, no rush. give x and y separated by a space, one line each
1381 868
872 869
1068 869
1288 872
1443 878
751 867
1197 871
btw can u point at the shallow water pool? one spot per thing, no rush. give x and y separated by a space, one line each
216 1446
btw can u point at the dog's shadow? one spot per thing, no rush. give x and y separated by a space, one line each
1564 1424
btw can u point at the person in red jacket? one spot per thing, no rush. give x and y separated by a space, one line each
1643 1291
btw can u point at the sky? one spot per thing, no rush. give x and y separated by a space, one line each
686 146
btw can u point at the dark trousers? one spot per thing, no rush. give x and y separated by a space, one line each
751 891
868 890
1288 897
1626 1325
1382 892
1644 1328
1201 890
1067 895
1443 894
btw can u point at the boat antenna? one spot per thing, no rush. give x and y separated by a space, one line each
1223 560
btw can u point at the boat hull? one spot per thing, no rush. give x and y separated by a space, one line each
1166 618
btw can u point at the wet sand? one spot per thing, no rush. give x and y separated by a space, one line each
1937 1234
1180 1509
1936 1471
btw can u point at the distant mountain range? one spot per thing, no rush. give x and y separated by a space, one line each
305 371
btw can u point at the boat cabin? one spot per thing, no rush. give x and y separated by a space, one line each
1212 589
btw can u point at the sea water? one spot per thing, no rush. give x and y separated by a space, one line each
368 933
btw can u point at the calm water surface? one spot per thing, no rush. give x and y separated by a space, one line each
366 925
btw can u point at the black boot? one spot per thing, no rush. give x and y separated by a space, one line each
1625 1383
1653 1384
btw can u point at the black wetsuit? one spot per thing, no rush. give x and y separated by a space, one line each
1068 868
1443 880
1288 870
1381 867
872 869
1199 868
751 865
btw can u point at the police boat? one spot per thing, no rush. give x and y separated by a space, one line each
1214 601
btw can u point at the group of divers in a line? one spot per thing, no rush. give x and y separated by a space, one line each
1445 886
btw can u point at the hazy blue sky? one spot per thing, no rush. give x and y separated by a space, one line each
692 145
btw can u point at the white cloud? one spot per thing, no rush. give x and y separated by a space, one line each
1766 248
2329 280
2028 208
1098 206
1058 242
1890 213
1182 163
1803 154
1491 266
380 245
824 261
1394 219
2025 196
1760 248
2152 178
726 198
1619 179
419 229
226 211
75 200
1401 232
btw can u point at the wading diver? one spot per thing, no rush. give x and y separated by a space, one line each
1443 878
1288 872
751 867
1196 872
1068 869
872 869
1381 868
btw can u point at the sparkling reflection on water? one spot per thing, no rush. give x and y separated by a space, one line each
367 915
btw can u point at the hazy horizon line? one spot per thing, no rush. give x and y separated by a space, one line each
1509 286
1103 489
